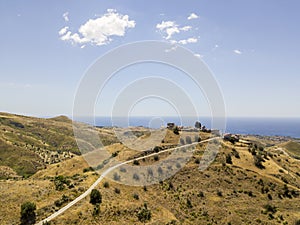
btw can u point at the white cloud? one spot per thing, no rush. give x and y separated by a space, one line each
236 51
169 27
198 55
99 31
188 41
173 48
63 31
66 16
186 28
193 16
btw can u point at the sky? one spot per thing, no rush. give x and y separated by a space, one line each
251 47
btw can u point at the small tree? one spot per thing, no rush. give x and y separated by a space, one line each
228 159
176 130
197 138
156 149
28 213
189 203
188 140
95 197
258 161
106 184
181 141
198 125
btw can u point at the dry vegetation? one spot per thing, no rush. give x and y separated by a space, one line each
234 189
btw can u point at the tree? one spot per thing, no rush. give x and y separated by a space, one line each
228 159
197 138
181 141
188 140
198 125
176 130
95 197
28 213
258 161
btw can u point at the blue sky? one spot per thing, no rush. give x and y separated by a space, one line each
251 46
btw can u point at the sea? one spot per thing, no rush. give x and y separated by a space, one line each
289 127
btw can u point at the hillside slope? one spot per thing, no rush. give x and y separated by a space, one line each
28 144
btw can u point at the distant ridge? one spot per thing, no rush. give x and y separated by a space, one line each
61 118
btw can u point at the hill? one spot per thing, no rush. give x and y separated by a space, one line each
28 144
251 181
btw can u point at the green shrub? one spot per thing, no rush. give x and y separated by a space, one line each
28 215
258 161
135 162
156 149
96 210
60 182
88 169
270 209
176 130
189 203
235 153
200 194
228 159
144 214
117 191
106 184
115 154
95 197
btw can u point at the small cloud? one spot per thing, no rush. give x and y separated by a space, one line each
168 27
173 48
63 31
215 47
193 16
162 14
198 55
237 52
186 28
188 41
83 46
66 16
99 31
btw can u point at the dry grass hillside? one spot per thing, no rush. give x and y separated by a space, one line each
253 181
28 144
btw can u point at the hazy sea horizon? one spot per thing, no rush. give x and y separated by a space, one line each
238 125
